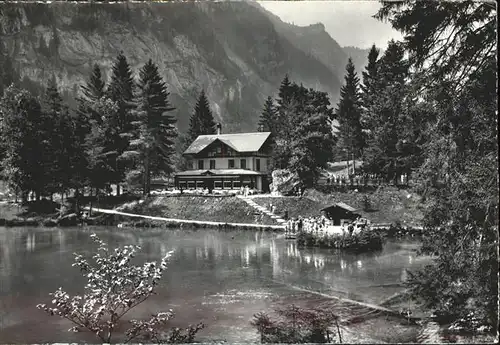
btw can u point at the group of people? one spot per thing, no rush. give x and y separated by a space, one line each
345 180
245 191
308 224
318 225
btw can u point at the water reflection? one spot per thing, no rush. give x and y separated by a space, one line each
220 277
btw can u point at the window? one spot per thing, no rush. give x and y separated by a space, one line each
230 164
190 165
243 164
219 149
227 184
200 164
257 164
212 164
218 184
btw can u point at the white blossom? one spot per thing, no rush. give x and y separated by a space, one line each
113 287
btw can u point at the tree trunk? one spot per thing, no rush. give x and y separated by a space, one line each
353 163
147 176
117 189
347 161
77 202
90 209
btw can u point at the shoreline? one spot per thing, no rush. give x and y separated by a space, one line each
195 223
111 217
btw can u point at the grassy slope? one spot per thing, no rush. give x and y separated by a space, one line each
388 204
230 209
295 205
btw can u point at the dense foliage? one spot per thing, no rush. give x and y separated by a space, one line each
114 287
122 130
451 51
302 137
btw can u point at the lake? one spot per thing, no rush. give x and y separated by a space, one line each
221 278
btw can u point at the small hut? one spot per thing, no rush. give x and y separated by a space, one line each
339 213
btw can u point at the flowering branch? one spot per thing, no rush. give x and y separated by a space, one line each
114 287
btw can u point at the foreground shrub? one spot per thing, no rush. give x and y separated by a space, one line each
114 287
297 325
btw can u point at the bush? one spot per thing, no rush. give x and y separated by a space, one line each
364 241
297 325
114 287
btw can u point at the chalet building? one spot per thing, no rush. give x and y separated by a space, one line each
227 161
339 213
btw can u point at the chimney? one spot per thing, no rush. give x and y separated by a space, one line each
219 126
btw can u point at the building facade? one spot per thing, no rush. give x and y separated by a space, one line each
227 161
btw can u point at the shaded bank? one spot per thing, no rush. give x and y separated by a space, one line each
365 241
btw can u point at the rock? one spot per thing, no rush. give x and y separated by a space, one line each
49 223
284 182
68 220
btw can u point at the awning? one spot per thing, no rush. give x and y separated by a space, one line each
218 173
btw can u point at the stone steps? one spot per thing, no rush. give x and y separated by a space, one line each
262 209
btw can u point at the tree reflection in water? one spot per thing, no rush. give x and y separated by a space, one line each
240 266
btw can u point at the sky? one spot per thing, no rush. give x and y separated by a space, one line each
349 22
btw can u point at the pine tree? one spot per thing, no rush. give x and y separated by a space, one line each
121 91
154 142
368 86
202 121
94 89
52 106
268 117
387 115
348 114
285 93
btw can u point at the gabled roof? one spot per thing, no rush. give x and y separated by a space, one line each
341 205
240 142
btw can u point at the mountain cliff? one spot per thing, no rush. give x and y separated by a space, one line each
234 50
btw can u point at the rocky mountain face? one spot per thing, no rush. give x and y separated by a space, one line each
235 50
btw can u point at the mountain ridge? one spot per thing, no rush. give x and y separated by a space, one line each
232 49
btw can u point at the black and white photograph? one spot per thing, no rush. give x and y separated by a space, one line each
249 172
